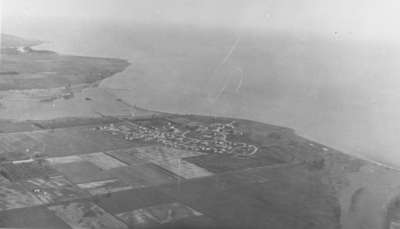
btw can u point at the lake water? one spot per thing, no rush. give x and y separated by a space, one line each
338 92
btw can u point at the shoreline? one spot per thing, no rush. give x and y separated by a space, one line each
53 96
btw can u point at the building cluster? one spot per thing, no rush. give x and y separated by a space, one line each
208 139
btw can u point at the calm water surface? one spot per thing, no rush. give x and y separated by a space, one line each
338 92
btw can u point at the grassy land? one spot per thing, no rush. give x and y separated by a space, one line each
289 183
42 70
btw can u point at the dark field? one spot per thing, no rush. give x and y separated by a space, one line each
83 155
85 175
44 69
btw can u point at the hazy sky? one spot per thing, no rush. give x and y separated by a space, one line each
353 19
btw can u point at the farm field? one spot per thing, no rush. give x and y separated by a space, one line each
96 175
37 69
75 155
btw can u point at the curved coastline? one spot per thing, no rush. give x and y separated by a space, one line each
354 180
126 63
